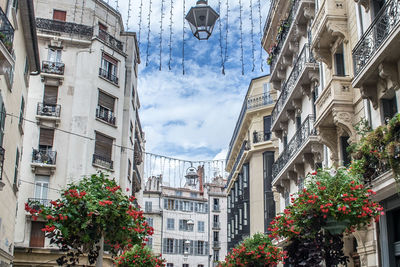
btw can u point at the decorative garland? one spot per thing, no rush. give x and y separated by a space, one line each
128 15
148 33
226 32
140 21
220 39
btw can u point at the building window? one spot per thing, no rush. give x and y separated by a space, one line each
108 69
267 128
216 204
41 187
184 226
129 171
170 224
105 108
148 206
215 236
15 5
21 113
193 195
345 155
178 193
216 221
46 138
285 141
339 62
149 242
50 98
103 151
2 120
37 235
389 108
149 221
26 71
216 255
185 265
301 184
45 154
170 265
200 226
59 15
200 248
16 169
169 245
169 204
54 55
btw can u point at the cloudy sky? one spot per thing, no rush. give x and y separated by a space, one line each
192 116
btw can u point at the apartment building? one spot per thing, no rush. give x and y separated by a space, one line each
82 109
333 64
19 59
251 202
189 222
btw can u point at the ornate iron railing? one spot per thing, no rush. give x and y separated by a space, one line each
374 171
108 75
248 104
65 27
281 37
105 114
6 31
44 156
260 136
302 134
35 203
110 40
386 21
103 161
52 110
304 57
241 152
53 67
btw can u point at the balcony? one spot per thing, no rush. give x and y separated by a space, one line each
43 160
102 162
110 40
252 103
289 34
59 27
233 173
260 136
105 115
216 226
108 76
53 67
48 113
6 40
37 202
329 29
376 54
216 208
303 147
303 75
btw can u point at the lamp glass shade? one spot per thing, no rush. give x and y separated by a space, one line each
202 20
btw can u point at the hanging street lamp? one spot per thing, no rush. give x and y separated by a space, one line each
202 19
191 177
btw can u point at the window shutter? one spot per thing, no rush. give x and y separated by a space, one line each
180 246
59 15
110 59
164 245
37 236
165 203
106 101
46 137
50 95
103 146
191 247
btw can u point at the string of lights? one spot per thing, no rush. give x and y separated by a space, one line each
252 36
241 35
128 16
161 31
183 38
226 31
220 39
140 21
148 33
260 33
170 34
83 9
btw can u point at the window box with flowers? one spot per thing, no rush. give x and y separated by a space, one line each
333 201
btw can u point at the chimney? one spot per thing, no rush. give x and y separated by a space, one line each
200 173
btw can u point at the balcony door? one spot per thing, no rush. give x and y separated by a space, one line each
54 55
50 95
267 128
41 187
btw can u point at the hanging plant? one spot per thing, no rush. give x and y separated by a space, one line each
255 251
92 209
139 256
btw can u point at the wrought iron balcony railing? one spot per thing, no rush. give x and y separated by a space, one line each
65 27
260 136
239 157
51 110
44 156
374 171
110 40
302 134
6 31
37 202
283 34
103 161
386 21
108 75
105 114
304 57
53 67
248 104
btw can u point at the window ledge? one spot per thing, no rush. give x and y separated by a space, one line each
102 167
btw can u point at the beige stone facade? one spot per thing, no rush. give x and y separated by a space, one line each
348 73
249 163
19 58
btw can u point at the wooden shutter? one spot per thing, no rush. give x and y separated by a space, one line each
46 137
37 236
106 101
110 59
59 15
103 146
50 95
